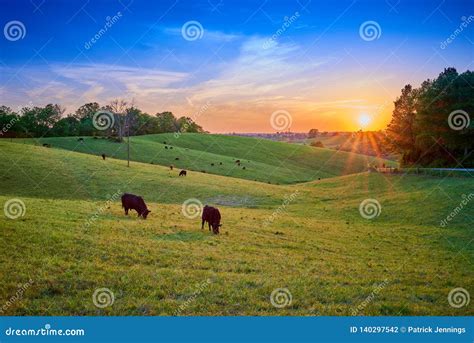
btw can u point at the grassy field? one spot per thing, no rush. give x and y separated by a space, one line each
308 238
261 160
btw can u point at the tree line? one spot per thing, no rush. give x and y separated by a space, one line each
431 126
117 119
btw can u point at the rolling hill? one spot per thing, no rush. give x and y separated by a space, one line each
309 239
261 160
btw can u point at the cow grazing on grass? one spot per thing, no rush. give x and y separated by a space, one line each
135 202
103 156
182 173
212 216
46 145
237 161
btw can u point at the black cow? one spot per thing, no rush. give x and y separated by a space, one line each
103 156
182 173
135 202
212 216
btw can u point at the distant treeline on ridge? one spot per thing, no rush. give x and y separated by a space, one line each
50 121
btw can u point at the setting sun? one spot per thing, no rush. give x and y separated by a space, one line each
364 120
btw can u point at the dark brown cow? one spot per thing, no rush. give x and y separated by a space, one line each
212 216
135 202
103 157
182 173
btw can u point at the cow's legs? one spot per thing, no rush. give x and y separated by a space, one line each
202 224
209 226
126 211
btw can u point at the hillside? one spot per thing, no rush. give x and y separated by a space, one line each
71 242
261 160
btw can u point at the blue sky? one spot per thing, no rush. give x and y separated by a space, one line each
318 68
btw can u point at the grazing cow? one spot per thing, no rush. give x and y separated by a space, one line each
135 202
103 157
237 161
46 145
182 173
212 216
